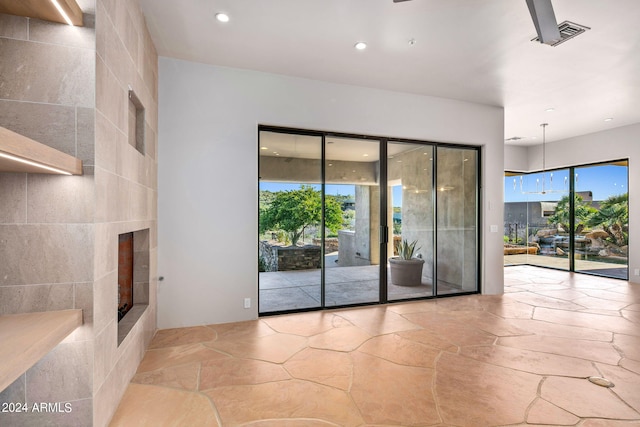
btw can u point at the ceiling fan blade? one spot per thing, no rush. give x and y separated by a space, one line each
544 19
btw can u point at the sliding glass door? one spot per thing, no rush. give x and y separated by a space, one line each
457 220
290 221
352 221
571 219
410 213
347 220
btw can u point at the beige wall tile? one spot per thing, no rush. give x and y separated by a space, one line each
36 254
105 350
106 249
105 301
56 33
13 27
13 194
105 143
34 298
64 374
60 199
85 135
47 73
107 196
52 125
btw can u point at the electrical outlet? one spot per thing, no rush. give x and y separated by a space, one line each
247 303
636 271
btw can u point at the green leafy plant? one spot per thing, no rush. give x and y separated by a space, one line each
295 210
405 249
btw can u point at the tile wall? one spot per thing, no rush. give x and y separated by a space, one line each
67 87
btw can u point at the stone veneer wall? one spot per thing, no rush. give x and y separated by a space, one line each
67 87
126 191
47 93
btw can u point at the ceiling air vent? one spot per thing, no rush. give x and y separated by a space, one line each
514 138
568 30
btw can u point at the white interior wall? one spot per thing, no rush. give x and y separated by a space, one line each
517 158
615 144
208 174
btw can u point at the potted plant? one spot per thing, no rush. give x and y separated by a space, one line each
405 269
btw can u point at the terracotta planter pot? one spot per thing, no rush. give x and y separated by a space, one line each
406 272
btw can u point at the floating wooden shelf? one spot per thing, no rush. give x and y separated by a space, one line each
26 338
43 9
16 145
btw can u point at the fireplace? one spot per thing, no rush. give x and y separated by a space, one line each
133 279
125 274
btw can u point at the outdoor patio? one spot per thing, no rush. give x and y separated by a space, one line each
294 290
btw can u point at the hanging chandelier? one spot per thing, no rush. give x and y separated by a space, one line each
541 187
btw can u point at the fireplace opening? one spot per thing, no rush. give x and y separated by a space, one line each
125 274
133 279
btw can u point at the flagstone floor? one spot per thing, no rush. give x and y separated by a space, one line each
522 358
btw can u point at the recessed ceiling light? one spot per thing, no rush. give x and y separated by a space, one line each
365 155
330 164
608 119
360 45
549 110
412 42
264 148
222 17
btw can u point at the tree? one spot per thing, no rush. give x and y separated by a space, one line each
561 214
613 217
293 211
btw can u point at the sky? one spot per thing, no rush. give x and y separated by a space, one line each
603 181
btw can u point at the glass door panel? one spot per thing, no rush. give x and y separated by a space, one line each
410 215
601 218
290 215
352 221
457 218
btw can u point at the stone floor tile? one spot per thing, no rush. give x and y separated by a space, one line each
563 294
327 367
543 301
181 336
545 413
150 406
631 365
182 376
587 320
179 355
472 393
271 348
454 331
304 324
600 303
378 320
627 385
424 336
539 327
340 339
509 310
530 361
629 345
290 422
233 371
582 349
284 399
354 367
402 351
247 330
631 315
397 395
585 399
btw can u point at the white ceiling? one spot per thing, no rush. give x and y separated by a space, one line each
479 51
